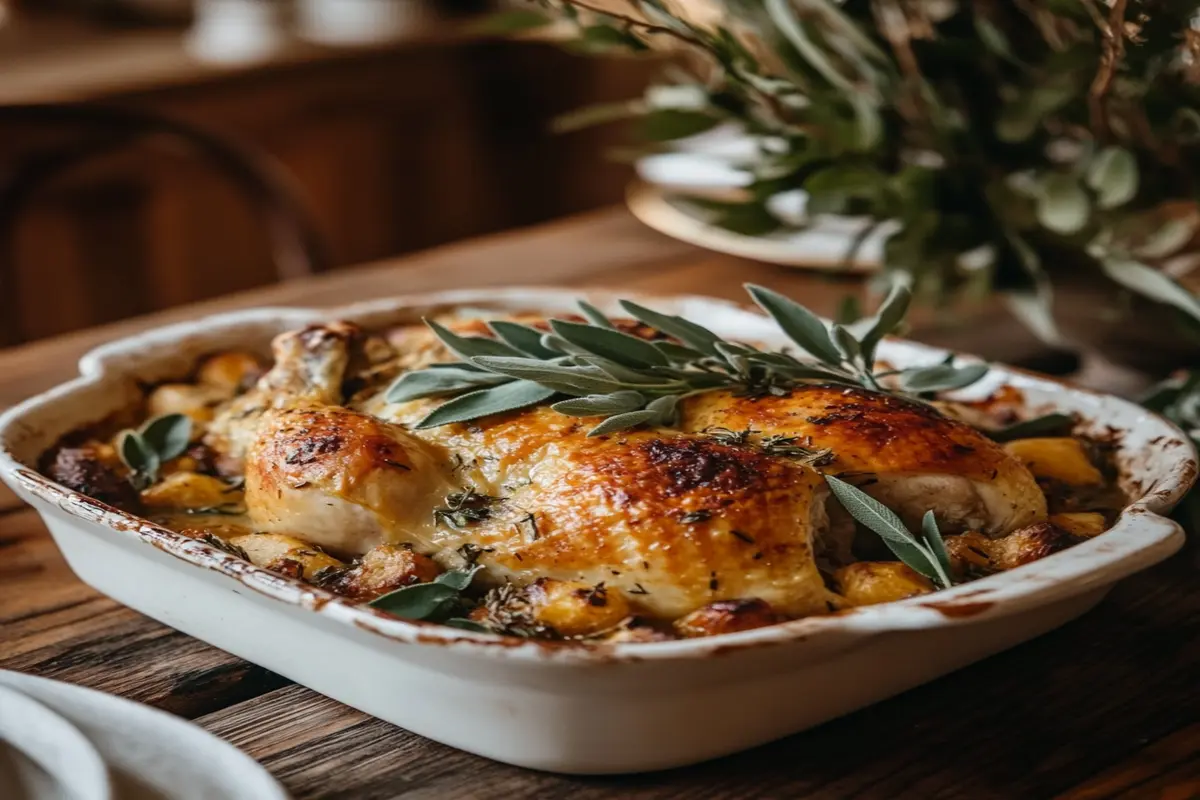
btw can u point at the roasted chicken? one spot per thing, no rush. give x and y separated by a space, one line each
720 523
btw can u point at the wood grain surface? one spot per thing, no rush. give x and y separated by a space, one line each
1107 706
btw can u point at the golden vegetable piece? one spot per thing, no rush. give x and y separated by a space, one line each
970 554
727 616
230 372
286 554
868 583
1081 523
190 490
383 569
1059 458
1027 545
197 402
573 608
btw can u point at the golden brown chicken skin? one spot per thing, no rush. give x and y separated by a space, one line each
668 521
904 453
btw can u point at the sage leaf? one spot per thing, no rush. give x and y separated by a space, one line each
602 367
433 382
596 405
524 338
845 342
1169 239
801 325
889 316
678 352
622 422
168 436
891 529
1151 283
138 456
419 601
941 377
937 545
563 378
1113 176
627 350
1062 204
1048 425
666 409
595 315
467 347
458 579
482 403
466 625
689 333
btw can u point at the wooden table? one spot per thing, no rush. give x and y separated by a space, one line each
1108 706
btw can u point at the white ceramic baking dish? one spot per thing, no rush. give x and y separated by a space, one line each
582 708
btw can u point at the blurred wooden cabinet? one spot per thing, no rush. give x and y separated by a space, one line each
395 150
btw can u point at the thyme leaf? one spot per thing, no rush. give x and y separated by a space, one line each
465 508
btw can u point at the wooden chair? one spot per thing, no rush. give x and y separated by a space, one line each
296 247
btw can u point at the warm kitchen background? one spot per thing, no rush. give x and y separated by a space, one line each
396 137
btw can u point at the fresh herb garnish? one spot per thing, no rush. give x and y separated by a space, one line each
1047 425
440 600
156 442
508 610
926 553
212 540
773 445
599 371
781 445
465 508
471 552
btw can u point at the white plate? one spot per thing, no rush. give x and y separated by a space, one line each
149 754
584 707
44 757
821 246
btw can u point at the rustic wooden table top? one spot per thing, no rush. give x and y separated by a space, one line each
1107 706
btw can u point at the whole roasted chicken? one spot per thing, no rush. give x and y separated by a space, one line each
674 521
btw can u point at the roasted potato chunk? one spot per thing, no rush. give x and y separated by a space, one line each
231 372
867 583
1084 524
1028 544
383 569
1059 458
573 608
197 402
190 490
286 554
970 554
727 616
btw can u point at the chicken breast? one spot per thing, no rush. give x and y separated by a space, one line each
905 454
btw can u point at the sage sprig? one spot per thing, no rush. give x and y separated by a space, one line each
594 369
926 553
156 442
439 600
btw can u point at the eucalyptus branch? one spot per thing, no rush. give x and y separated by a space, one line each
1113 34
634 22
